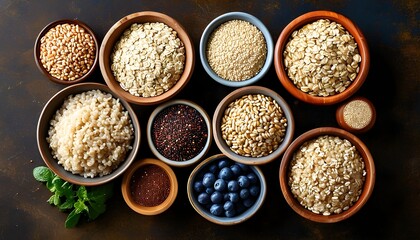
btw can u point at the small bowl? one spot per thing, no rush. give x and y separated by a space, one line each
127 181
38 44
366 189
113 35
237 94
308 18
223 220
43 126
164 157
214 24
363 115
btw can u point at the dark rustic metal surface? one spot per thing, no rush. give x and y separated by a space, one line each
393 34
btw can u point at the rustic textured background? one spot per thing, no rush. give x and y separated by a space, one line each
393 34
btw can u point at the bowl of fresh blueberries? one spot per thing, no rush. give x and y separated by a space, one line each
224 191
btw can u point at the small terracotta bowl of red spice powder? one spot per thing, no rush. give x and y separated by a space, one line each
179 132
149 186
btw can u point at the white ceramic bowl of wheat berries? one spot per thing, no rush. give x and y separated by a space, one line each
236 49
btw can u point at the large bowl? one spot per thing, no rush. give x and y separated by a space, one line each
113 35
225 18
366 189
47 114
220 112
299 22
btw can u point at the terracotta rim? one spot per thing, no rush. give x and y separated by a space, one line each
37 51
114 34
368 184
340 118
307 18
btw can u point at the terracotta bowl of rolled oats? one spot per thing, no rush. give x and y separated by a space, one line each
147 58
66 51
322 58
327 175
253 125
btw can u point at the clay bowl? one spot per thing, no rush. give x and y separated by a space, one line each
141 166
367 187
308 18
220 112
114 34
362 117
214 24
43 126
37 53
239 216
166 157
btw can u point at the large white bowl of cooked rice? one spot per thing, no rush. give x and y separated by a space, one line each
87 135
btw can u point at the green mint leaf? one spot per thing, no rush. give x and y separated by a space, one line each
100 193
95 210
72 219
51 200
56 199
82 193
80 206
67 205
42 174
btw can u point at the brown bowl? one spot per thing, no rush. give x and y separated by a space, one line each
37 51
299 22
366 189
128 180
113 36
220 112
43 126
364 115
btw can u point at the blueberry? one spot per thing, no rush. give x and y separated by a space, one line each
209 190
213 168
228 206
216 197
248 202
226 197
244 193
203 198
240 208
226 173
230 213
216 209
220 185
234 197
245 168
198 186
233 186
223 163
252 177
209 179
236 169
243 181
254 190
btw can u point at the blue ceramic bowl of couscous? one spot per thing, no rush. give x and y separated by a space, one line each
236 49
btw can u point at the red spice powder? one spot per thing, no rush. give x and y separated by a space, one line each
150 185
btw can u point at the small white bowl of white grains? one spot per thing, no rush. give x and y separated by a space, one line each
253 125
322 58
87 135
147 57
66 51
327 175
236 49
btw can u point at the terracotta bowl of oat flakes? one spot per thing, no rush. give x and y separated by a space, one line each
327 175
66 51
253 125
147 57
322 58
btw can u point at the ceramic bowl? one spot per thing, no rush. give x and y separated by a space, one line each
139 167
166 157
214 24
114 34
366 189
43 126
37 54
356 115
237 94
308 18
197 176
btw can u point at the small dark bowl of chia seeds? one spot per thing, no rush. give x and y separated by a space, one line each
179 132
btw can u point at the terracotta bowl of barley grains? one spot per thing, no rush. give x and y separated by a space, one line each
147 57
327 175
66 51
322 58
